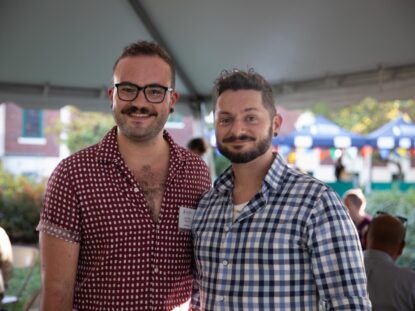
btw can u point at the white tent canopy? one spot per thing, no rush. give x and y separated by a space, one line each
56 52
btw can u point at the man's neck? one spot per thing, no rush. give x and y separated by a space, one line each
248 177
138 153
392 253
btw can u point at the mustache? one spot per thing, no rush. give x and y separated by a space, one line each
240 138
142 110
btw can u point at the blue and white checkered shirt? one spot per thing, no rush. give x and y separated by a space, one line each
293 247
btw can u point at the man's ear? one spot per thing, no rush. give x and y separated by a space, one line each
276 124
401 247
110 95
174 97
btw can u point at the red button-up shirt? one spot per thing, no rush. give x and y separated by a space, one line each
126 260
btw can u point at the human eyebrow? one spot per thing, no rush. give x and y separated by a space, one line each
126 83
249 109
224 114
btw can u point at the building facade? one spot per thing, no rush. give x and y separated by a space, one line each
28 146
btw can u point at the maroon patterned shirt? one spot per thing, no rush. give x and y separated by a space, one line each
126 260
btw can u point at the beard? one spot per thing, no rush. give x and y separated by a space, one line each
257 150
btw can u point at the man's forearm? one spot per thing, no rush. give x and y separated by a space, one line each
56 297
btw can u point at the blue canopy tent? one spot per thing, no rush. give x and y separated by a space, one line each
322 133
399 133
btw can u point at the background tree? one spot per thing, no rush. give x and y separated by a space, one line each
368 115
84 129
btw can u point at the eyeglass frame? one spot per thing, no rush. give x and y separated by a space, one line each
143 88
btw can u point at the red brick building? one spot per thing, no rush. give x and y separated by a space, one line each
27 146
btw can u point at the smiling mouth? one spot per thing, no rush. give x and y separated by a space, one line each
239 142
140 115
238 139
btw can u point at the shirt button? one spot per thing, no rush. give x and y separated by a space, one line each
156 270
136 190
220 298
225 262
226 228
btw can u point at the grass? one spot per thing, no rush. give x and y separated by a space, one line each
17 279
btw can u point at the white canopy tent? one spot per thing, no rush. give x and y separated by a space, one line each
56 52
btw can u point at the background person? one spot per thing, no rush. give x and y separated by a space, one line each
6 261
390 287
355 201
198 145
201 147
114 229
267 237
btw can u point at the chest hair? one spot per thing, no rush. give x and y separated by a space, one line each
153 182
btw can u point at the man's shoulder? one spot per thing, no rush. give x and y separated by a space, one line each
84 155
78 161
220 187
298 181
406 273
382 261
191 158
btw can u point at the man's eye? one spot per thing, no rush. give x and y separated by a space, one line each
127 89
251 118
224 120
154 91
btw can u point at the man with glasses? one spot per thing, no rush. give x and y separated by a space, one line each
390 287
115 225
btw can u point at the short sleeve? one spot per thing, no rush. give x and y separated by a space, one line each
60 216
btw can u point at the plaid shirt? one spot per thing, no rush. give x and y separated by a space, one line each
293 247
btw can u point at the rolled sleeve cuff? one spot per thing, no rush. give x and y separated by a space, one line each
58 232
346 303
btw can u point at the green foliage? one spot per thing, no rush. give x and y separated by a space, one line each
32 286
323 109
221 163
369 114
20 202
366 116
399 203
85 128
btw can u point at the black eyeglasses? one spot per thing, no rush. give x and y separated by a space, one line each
403 220
154 93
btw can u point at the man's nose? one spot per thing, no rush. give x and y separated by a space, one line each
238 127
141 99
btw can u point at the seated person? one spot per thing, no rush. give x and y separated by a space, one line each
6 260
355 201
390 287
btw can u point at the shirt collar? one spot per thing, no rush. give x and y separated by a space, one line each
374 253
108 150
273 179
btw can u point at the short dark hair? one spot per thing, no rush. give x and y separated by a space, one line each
197 145
246 80
147 48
